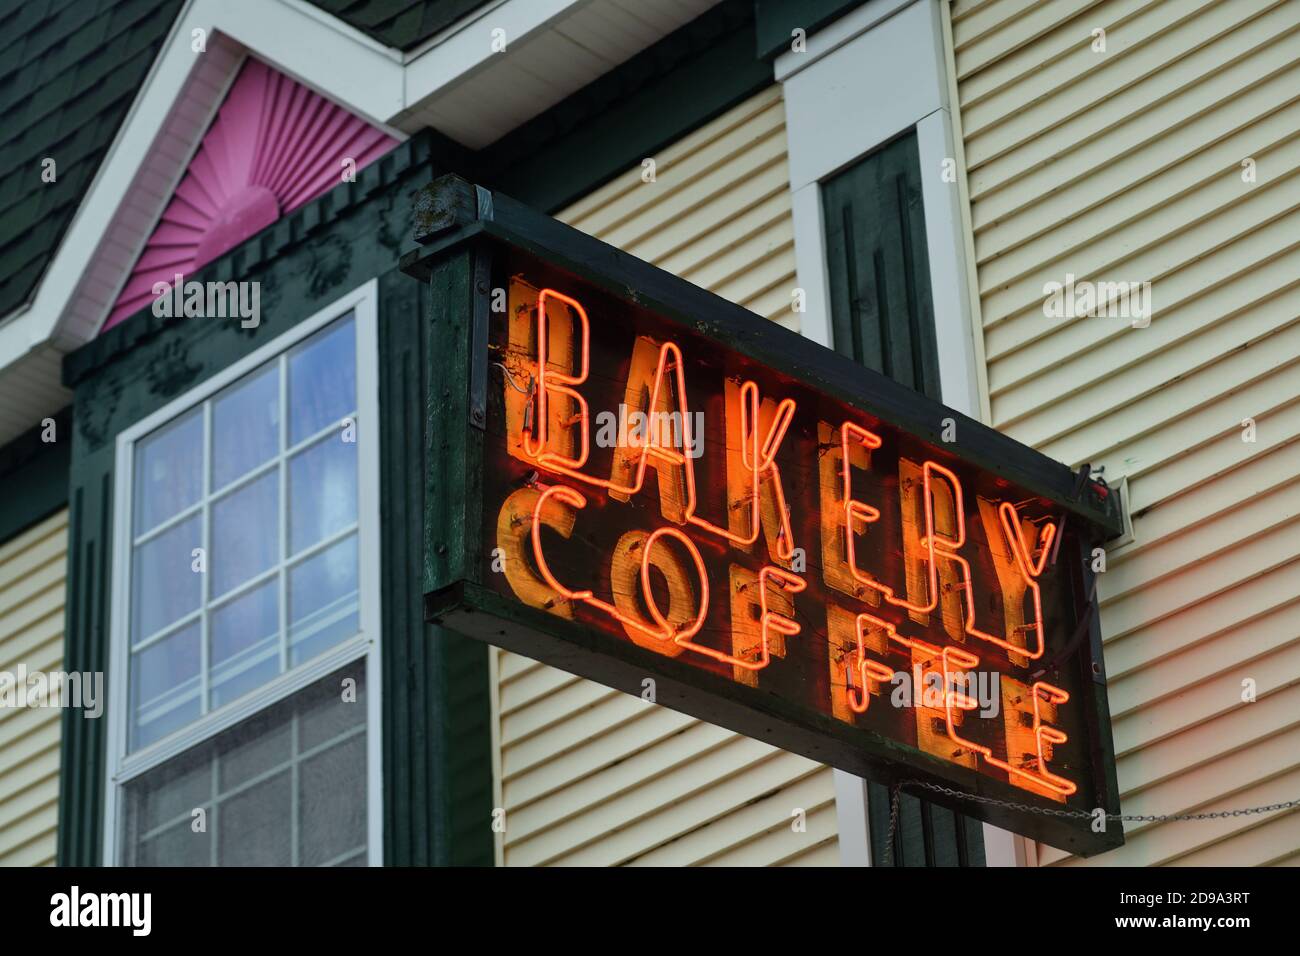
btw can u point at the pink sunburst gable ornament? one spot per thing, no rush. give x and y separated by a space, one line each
274 146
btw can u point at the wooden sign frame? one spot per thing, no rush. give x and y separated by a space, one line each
474 244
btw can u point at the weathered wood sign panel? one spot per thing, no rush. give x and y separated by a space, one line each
638 482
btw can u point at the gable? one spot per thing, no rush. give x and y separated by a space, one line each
274 146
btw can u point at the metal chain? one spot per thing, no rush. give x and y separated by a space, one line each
893 825
1088 815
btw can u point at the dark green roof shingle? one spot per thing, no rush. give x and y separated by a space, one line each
69 71
399 23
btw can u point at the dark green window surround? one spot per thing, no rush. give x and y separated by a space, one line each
436 714
436 741
34 476
882 315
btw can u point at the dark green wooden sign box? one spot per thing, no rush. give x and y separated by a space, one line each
471 242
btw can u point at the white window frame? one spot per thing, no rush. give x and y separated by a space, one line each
875 73
121 766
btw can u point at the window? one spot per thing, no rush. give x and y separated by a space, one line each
245 609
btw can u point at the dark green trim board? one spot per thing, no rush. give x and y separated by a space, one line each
691 76
34 476
776 20
436 743
882 310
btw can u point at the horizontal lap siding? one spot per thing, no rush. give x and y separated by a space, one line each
1125 166
591 776
32 574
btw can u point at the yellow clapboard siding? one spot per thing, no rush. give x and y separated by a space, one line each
781 844
1136 690
1126 166
32 579
1155 94
1256 476
1243 308
592 776
1158 641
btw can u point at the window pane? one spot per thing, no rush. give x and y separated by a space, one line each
250 779
246 425
177 845
245 532
245 642
265 746
322 380
322 491
323 601
164 585
168 471
165 686
163 814
321 719
332 802
254 824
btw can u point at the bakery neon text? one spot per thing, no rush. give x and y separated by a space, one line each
548 425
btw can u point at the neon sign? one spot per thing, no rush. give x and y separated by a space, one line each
654 499
549 428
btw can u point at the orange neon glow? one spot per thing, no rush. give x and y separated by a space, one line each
772 512
956 659
752 600
859 512
768 620
1029 569
551 361
758 456
873 670
647 594
869 670
519 512
666 631
551 382
940 546
625 582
